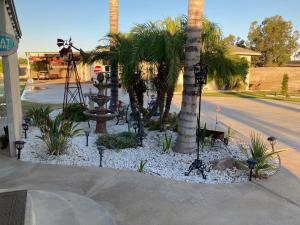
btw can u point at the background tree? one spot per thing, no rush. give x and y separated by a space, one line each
275 39
237 41
38 66
22 60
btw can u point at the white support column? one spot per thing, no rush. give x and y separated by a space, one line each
12 97
11 84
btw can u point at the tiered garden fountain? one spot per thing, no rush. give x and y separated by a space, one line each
100 114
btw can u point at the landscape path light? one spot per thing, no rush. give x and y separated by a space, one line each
25 127
19 146
251 164
101 151
87 132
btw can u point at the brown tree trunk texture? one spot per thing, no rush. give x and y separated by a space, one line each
170 94
132 99
186 140
114 28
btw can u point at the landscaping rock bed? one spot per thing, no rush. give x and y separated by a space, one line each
168 165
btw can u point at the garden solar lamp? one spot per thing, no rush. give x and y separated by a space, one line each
251 164
272 141
27 120
87 132
25 127
135 126
19 146
101 151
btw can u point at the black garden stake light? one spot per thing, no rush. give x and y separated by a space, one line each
101 151
25 127
19 146
201 72
87 132
251 164
27 120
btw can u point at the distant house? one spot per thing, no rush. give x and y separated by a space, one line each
241 52
57 66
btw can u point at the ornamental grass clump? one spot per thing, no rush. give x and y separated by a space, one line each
258 150
40 117
118 141
58 133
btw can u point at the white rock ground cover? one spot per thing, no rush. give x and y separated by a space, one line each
168 165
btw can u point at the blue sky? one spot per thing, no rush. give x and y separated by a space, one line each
87 21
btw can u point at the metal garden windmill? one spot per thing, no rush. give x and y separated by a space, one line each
73 92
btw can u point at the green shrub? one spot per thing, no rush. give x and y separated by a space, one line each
285 85
58 134
258 150
74 112
118 141
40 117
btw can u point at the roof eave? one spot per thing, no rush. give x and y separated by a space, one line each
13 15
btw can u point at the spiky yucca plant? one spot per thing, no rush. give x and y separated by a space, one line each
40 117
258 150
58 133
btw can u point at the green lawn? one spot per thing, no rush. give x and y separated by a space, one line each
255 94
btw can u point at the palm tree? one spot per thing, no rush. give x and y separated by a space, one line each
114 29
186 139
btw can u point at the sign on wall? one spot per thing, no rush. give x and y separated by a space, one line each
8 44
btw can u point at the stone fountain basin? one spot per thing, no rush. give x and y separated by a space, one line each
100 115
100 100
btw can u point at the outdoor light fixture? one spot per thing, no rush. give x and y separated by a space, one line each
251 164
272 141
27 120
101 151
25 127
19 146
135 126
200 72
87 132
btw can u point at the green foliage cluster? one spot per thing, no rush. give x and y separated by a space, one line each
22 61
1 65
74 112
58 133
40 117
258 150
40 66
285 85
275 39
167 143
142 165
118 141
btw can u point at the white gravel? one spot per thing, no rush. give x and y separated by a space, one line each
168 165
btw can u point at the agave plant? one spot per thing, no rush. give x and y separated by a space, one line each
264 158
58 133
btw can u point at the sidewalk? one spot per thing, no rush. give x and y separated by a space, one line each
134 199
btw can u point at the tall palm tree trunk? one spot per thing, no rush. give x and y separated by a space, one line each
186 140
114 28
